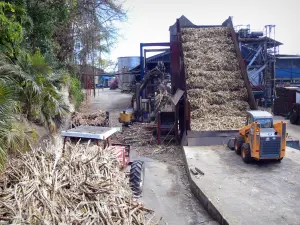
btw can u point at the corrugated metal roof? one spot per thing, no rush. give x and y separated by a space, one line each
261 39
164 56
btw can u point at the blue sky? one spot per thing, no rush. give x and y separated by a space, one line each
149 21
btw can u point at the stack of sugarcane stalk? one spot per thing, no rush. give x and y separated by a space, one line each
138 134
82 185
163 101
215 87
92 119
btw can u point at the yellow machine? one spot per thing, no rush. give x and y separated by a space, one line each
126 117
260 138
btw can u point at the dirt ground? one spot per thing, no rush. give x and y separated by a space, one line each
166 188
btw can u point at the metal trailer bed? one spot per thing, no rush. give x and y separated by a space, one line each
90 132
179 82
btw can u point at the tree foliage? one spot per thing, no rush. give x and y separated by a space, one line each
11 31
38 42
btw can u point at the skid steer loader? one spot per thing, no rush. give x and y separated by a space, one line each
260 138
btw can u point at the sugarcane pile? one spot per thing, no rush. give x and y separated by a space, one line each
138 135
215 86
83 185
98 118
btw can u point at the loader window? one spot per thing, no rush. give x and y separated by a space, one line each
265 123
249 120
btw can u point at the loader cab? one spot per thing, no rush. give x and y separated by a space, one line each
265 119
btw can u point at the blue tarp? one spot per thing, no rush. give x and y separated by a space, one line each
102 79
105 77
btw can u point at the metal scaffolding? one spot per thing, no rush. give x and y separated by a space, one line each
259 49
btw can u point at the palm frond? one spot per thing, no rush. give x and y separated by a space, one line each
2 158
8 103
17 136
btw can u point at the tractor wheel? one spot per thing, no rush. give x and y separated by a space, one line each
238 142
136 177
246 153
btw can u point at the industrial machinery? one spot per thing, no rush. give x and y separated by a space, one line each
122 152
126 117
166 127
260 138
188 136
145 92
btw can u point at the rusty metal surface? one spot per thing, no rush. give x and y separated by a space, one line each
209 138
251 99
177 96
218 133
174 49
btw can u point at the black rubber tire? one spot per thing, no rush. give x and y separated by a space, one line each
294 118
238 142
295 114
107 122
247 155
136 177
230 144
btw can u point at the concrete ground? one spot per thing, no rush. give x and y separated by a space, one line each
110 100
292 130
166 188
259 193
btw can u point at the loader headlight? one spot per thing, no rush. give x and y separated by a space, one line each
267 139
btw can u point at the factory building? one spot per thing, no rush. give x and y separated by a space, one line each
288 69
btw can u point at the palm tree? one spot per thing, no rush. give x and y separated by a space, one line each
40 96
29 90
13 132
7 104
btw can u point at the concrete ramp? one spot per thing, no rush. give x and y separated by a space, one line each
237 193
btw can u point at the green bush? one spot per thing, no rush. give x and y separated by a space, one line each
76 93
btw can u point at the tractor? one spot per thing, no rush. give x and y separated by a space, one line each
261 138
126 117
